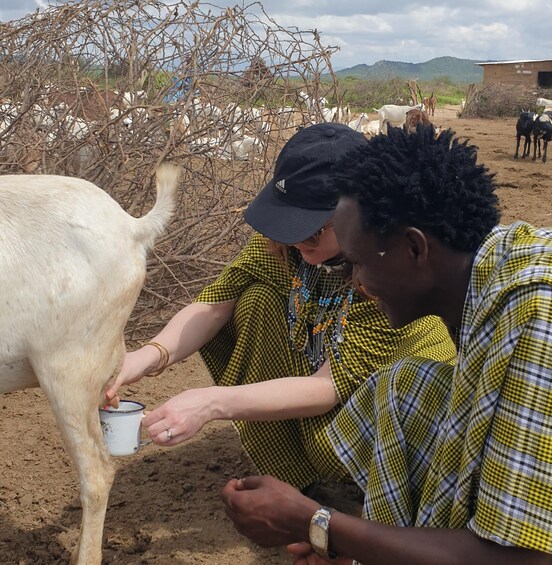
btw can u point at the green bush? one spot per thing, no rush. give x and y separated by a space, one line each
363 95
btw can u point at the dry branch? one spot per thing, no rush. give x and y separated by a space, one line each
93 89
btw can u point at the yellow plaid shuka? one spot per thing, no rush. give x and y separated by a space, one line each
256 346
469 447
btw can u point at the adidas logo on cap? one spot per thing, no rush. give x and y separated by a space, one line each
281 185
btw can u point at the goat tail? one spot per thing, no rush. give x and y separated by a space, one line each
154 223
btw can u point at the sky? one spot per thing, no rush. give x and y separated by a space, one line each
367 31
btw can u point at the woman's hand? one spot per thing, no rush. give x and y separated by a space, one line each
181 417
136 364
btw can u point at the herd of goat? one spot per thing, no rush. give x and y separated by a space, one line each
536 127
67 304
231 132
30 133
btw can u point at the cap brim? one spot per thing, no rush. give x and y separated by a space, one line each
281 222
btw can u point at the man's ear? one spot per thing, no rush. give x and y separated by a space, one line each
417 244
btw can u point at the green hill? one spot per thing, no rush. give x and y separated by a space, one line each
457 70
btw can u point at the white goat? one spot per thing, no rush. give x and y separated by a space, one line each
328 114
311 102
360 121
254 119
233 118
180 124
208 146
72 264
394 114
285 117
373 128
337 114
546 103
241 149
131 98
364 124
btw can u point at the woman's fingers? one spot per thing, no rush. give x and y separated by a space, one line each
164 428
183 415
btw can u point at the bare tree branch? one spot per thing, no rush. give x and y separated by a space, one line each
107 90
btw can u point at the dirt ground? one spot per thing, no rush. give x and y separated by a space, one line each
165 504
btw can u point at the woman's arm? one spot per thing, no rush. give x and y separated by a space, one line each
185 333
193 327
275 399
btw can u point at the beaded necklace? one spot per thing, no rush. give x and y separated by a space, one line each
328 313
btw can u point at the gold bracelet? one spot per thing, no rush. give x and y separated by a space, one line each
164 358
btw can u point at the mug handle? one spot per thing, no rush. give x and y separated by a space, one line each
146 441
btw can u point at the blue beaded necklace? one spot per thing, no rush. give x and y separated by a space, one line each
329 314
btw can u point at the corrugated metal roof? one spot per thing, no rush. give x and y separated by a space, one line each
521 61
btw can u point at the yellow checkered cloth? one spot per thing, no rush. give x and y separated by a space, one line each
255 346
469 447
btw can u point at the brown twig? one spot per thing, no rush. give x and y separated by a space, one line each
94 89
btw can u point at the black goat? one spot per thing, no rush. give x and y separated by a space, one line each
524 128
542 129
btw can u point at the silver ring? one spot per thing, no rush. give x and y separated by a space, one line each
169 434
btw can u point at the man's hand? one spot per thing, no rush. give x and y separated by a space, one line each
305 555
268 511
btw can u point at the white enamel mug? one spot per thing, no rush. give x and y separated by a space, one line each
122 427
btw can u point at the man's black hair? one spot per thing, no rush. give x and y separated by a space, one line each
418 179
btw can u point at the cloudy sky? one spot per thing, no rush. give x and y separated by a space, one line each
367 31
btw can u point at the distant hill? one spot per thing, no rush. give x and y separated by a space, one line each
458 70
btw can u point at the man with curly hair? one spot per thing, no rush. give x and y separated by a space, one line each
455 462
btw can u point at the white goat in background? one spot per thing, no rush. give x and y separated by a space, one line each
359 122
72 264
546 103
393 114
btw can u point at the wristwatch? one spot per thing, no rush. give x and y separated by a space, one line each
319 532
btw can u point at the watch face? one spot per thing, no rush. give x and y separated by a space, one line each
318 531
318 537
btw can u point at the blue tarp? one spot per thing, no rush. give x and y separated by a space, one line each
179 88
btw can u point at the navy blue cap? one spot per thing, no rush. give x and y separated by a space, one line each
301 197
